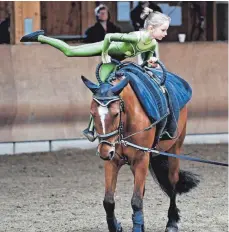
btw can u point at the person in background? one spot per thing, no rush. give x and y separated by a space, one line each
4 31
103 25
135 15
198 17
154 7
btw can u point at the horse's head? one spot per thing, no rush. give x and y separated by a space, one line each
106 110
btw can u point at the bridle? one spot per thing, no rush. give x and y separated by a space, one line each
119 131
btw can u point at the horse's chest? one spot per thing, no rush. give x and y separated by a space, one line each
124 160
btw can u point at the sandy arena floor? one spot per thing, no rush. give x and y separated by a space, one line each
63 192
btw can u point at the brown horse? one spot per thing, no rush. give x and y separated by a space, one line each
117 113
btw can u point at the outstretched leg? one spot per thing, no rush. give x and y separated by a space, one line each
140 170
111 173
86 50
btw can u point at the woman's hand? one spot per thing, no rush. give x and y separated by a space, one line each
105 58
152 61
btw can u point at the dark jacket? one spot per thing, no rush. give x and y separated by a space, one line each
4 32
136 20
97 33
135 14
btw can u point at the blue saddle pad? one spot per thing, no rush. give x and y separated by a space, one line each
152 98
179 93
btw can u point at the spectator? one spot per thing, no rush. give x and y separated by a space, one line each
4 31
135 14
103 25
155 7
198 15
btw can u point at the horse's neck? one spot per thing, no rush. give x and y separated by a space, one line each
136 118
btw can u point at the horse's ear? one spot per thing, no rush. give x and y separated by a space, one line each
93 87
117 89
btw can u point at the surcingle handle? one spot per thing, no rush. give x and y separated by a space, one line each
164 71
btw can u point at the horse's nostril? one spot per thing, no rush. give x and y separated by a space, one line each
111 154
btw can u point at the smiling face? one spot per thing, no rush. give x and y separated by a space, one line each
159 32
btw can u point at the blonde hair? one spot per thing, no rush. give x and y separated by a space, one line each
155 18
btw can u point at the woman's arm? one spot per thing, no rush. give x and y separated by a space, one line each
118 37
151 53
150 56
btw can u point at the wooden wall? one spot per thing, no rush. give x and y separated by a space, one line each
5 9
74 17
61 17
21 11
43 97
71 18
18 11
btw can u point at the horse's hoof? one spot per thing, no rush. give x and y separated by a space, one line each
115 227
120 229
139 229
171 226
172 229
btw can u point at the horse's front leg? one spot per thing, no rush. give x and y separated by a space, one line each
111 173
140 170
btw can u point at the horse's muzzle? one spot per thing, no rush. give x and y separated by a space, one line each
106 150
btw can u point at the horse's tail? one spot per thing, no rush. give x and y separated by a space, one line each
159 170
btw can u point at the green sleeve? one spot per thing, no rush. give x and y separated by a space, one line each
118 37
149 54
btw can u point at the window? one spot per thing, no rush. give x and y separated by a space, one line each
123 11
174 12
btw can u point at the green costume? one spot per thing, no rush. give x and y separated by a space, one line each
116 45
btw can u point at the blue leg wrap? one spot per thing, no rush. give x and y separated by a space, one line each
138 221
114 225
